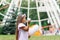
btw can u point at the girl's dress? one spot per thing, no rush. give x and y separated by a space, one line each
22 35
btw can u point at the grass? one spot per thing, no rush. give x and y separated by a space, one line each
7 37
12 37
45 38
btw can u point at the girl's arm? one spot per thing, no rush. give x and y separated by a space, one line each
26 28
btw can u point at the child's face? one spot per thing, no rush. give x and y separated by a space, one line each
24 19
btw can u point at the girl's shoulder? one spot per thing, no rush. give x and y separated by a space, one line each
21 24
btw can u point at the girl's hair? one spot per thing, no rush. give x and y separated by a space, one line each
19 20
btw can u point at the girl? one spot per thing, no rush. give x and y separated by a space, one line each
22 29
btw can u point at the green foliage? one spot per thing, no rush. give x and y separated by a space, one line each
9 1
10 28
59 5
43 15
1 26
0 30
32 4
24 11
33 23
3 12
24 3
1 17
33 14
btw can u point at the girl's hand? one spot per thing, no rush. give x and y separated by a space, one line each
29 36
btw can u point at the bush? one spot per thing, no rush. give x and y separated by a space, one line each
0 29
9 29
